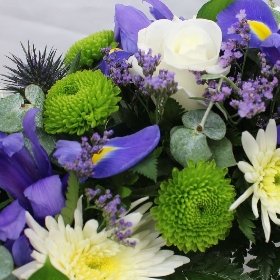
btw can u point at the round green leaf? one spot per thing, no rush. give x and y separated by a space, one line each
222 152
6 263
214 127
186 144
11 113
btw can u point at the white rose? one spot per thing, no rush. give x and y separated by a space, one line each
192 44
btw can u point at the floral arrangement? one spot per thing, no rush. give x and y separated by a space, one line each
148 151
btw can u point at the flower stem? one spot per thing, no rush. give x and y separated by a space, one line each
203 121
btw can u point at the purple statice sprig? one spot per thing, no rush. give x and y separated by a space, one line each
82 166
118 69
112 211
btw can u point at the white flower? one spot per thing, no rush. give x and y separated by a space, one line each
82 253
192 44
264 174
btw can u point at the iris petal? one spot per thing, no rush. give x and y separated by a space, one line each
126 151
256 10
159 10
271 47
40 155
46 197
128 21
66 151
12 143
21 251
12 221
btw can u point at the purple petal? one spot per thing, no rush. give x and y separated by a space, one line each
67 151
40 155
12 221
46 197
21 251
159 10
121 153
2 135
128 22
256 10
12 143
278 134
271 47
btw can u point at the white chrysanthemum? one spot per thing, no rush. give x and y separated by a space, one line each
264 174
82 253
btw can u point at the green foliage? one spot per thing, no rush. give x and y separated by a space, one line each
244 219
6 263
72 196
213 266
74 65
264 261
148 166
48 272
212 8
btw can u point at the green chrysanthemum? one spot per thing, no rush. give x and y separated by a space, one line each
192 211
80 101
90 47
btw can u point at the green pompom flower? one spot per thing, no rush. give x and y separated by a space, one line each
80 101
90 47
193 207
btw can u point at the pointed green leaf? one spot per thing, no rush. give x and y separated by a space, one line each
222 152
185 144
48 272
72 196
212 8
75 63
214 127
124 192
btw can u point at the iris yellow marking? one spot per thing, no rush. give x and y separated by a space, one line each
101 154
115 49
260 29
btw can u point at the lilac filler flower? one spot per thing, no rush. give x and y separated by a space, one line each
110 158
28 178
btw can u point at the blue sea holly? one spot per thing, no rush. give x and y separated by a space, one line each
27 177
106 157
259 16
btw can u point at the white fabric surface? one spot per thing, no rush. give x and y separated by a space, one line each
59 23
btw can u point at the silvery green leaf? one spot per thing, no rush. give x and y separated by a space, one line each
222 152
214 127
46 140
186 144
11 113
36 96
6 263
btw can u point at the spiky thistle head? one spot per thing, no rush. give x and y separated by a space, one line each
90 48
192 209
40 68
79 102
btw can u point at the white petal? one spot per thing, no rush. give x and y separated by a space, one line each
40 231
250 147
245 167
241 199
37 242
25 271
90 228
255 200
261 140
78 214
274 218
216 69
271 135
265 223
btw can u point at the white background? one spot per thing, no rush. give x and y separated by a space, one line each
59 23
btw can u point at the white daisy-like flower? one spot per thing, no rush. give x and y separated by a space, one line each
264 174
83 253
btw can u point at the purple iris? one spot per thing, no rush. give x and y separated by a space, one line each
28 178
264 27
129 21
116 156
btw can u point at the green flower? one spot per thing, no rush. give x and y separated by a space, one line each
192 211
90 47
80 101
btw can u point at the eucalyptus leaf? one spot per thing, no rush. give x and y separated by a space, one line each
11 113
214 127
222 152
186 144
46 140
35 95
6 263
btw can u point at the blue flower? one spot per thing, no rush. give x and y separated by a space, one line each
28 178
115 156
262 23
129 21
